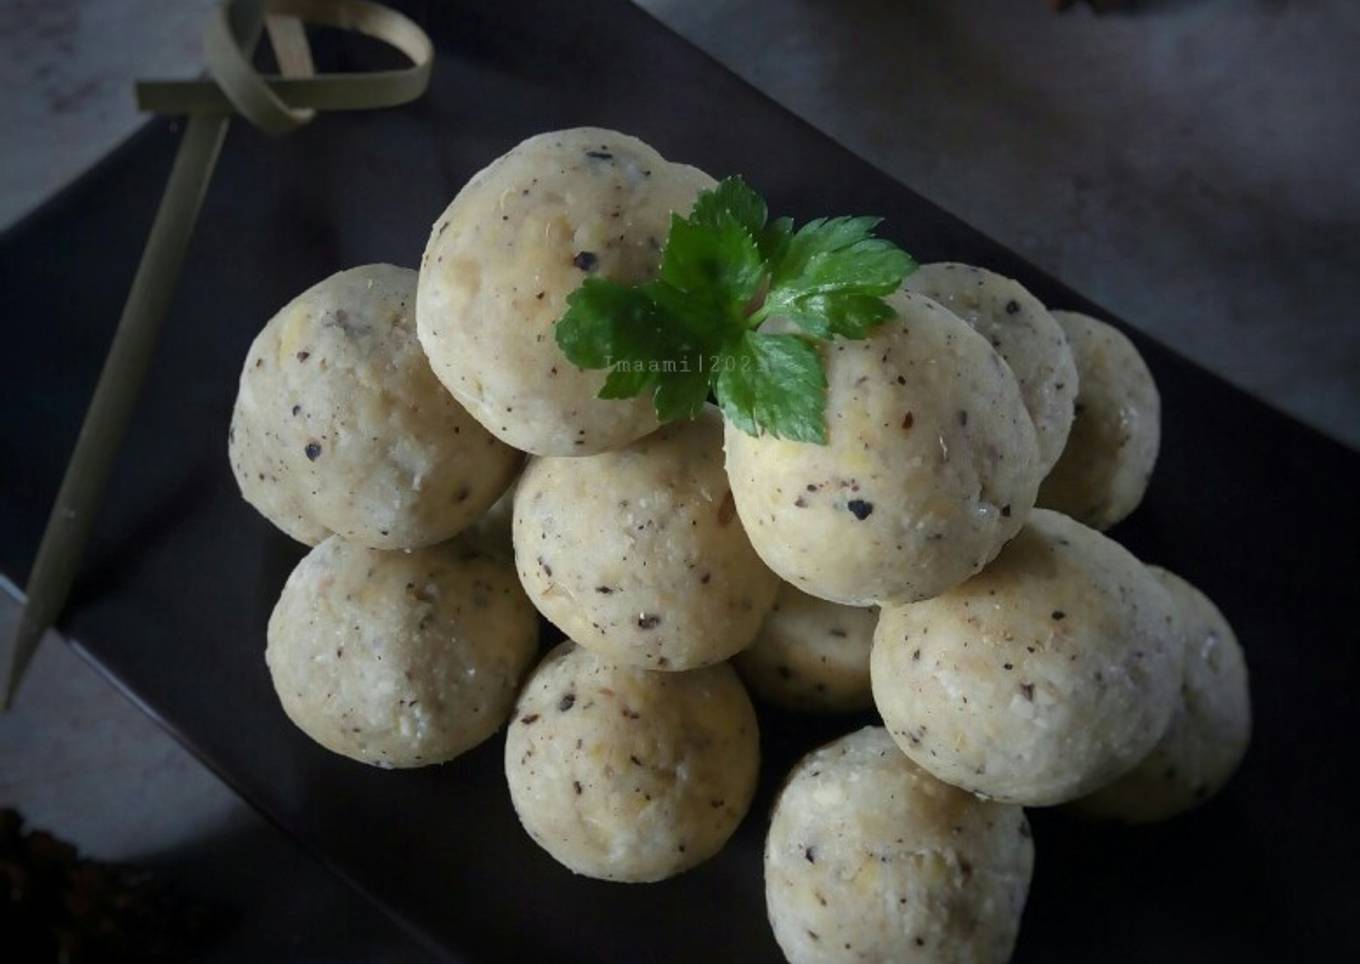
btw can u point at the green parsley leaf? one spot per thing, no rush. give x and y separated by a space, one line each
725 269
605 322
626 330
775 383
731 200
774 240
719 265
625 382
682 394
831 273
850 315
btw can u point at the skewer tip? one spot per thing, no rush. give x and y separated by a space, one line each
23 643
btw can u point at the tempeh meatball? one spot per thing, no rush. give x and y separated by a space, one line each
1209 730
870 858
521 236
930 466
638 553
811 655
400 659
1050 673
340 426
1022 330
627 774
1106 467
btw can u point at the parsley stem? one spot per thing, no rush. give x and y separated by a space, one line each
754 312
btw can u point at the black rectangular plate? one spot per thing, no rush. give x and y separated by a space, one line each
1255 508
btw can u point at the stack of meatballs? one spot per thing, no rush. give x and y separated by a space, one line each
940 559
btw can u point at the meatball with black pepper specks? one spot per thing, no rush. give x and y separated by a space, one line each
811 655
870 858
930 466
517 240
1209 730
629 775
1050 673
340 426
400 659
1023 332
1108 462
638 553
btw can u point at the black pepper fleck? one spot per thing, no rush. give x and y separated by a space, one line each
586 261
312 451
860 509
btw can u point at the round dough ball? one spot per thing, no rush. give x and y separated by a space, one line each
630 775
1021 329
1052 672
811 654
521 236
400 659
1209 731
340 426
930 466
638 553
870 858
1104 471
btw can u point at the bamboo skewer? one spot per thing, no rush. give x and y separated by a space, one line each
120 381
228 46
101 435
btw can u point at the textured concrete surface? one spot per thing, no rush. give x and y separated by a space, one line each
1190 165
68 88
